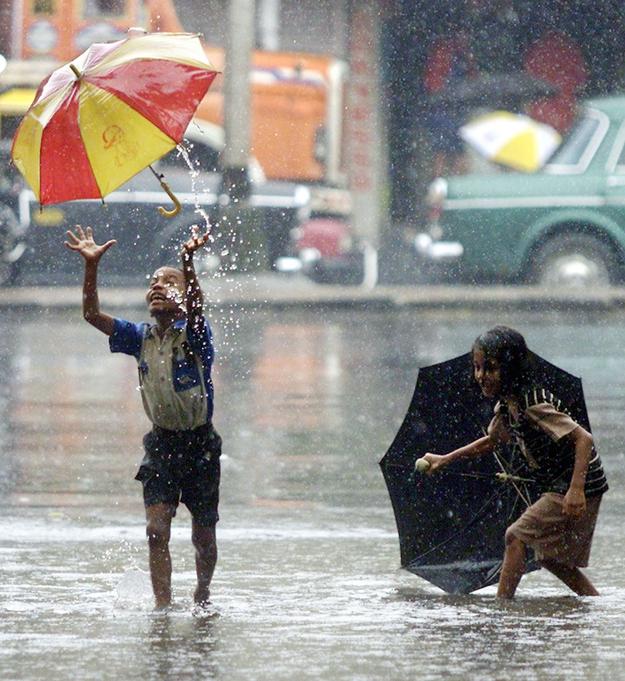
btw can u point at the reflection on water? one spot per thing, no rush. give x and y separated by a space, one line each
307 584
180 647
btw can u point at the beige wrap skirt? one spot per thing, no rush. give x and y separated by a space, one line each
554 535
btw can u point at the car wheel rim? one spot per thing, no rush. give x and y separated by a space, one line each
575 270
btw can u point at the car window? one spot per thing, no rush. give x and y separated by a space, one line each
619 166
109 8
572 149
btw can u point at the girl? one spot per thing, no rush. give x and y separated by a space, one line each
560 453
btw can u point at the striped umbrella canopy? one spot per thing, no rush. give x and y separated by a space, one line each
511 139
105 116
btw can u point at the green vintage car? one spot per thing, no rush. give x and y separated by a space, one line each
563 225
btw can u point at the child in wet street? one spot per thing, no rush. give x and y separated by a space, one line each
182 450
560 453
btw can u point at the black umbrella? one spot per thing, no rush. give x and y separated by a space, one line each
452 524
494 90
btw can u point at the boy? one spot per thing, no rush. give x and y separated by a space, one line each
182 450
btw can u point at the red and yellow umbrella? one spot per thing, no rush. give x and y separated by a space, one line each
102 118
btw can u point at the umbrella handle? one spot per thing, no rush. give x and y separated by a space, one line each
176 209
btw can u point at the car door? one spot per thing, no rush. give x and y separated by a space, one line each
615 180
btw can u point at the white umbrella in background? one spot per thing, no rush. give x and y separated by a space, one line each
511 139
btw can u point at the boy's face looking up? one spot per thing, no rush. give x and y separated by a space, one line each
166 292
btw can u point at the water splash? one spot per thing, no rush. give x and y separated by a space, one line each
194 174
134 587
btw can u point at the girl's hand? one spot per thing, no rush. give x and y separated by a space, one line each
574 503
196 241
436 461
85 245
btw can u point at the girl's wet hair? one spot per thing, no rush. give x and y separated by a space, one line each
509 348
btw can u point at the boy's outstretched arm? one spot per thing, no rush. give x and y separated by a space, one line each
479 447
83 243
194 297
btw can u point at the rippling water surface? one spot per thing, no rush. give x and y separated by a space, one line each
307 585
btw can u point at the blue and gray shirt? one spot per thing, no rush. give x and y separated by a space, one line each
174 371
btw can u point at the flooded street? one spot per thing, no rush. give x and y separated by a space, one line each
308 584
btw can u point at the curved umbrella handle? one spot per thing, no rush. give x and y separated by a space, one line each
176 209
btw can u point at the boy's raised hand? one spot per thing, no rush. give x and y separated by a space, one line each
196 241
83 242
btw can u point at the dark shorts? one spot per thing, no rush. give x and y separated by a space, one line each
182 465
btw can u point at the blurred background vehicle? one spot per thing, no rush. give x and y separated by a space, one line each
562 225
12 232
296 98
31 238
326 250
13 229
325 247
297 107
145 238
364 98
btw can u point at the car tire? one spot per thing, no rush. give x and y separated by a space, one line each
575 260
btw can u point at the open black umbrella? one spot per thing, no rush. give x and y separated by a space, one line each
452 524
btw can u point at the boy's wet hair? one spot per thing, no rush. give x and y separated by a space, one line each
508 347
169 267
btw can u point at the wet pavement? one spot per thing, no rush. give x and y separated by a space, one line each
307 585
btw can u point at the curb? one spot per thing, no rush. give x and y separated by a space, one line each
285 296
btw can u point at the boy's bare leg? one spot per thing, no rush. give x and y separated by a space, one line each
205 543
512 567
573 577
158 531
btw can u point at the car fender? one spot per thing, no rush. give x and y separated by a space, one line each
570 220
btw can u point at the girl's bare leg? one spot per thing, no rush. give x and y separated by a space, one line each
573 577
512 568
158 530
